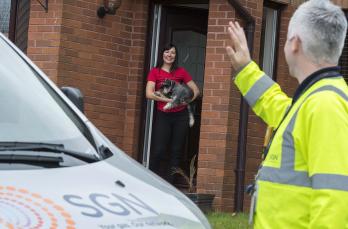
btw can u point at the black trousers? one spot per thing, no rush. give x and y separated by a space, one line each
170 132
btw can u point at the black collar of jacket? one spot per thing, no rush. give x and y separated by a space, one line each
315 77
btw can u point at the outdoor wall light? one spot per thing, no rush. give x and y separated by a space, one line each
109 7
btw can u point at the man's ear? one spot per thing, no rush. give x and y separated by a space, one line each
296 44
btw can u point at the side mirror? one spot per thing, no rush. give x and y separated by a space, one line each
75 96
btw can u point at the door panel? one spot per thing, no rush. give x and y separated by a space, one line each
191 47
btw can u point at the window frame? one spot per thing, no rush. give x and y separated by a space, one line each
13 17
343 62
278 7
19 23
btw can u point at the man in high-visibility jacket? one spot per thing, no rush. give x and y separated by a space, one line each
303 181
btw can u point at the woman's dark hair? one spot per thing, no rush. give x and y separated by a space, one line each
160 57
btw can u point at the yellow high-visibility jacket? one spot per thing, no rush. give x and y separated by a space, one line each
303 181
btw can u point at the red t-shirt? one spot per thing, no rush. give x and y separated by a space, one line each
158 76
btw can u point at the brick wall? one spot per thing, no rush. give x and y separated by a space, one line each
44 36
342 3
102 57
135 86
220 109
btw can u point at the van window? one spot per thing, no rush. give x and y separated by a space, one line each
31 111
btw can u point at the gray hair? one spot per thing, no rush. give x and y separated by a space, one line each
322 28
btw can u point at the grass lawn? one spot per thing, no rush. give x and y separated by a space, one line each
219 220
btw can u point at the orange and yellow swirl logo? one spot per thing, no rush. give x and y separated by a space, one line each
21 209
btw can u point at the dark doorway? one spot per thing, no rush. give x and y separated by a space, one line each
186 28
185 25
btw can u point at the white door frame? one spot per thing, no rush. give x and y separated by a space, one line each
150 103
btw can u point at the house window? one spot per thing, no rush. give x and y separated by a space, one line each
5 8
14 21
344 58
269 39
21 24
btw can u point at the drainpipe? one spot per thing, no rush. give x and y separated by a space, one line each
244 110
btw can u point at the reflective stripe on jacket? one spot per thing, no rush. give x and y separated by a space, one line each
303 182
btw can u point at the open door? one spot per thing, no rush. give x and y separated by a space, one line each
186 27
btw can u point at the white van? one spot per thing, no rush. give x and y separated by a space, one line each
58 171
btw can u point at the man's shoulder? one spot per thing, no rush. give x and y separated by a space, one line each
329 89
326 99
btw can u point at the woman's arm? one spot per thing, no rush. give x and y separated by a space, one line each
194 88
150 93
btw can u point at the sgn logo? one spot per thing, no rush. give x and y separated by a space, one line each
98 204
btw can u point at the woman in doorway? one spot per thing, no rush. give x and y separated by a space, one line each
171 126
